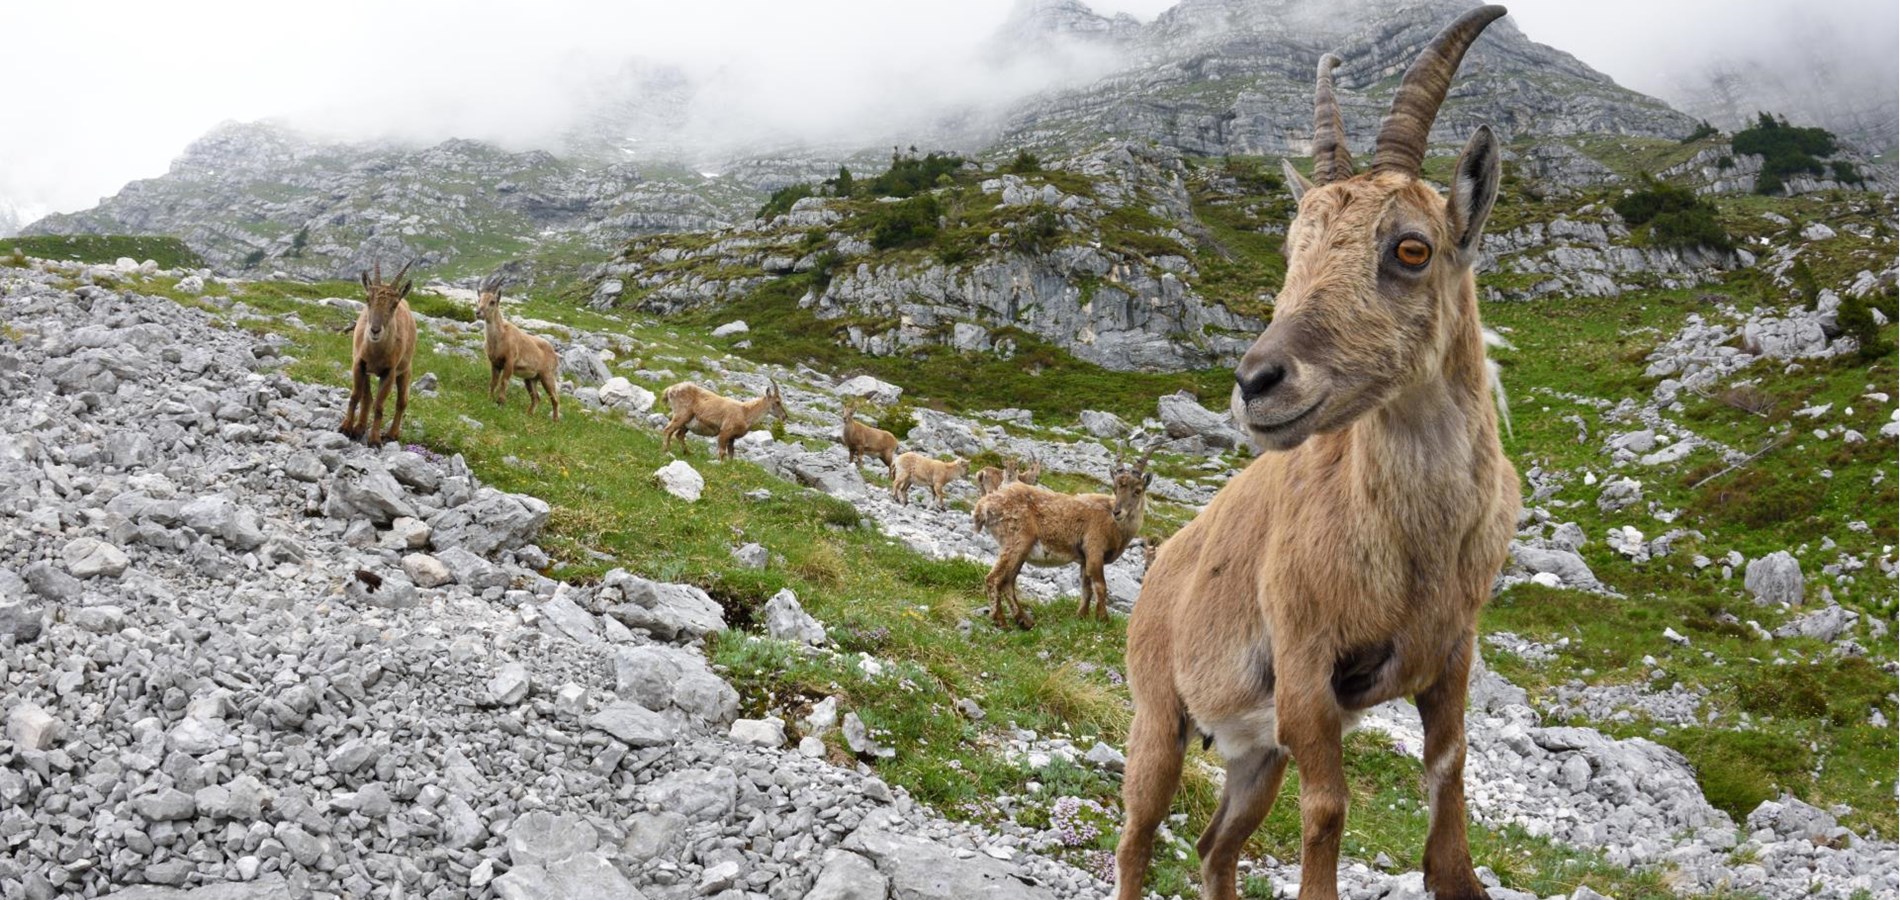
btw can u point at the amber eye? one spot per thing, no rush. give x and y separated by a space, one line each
1413 252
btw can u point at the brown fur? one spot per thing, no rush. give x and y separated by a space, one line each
512 352
1348 568
707 414
1032 524
861 440
382 345
933 474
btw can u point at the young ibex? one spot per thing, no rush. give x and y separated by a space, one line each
861 440
1347 568
707 414
1036 525
1032 474
512 352
935 475
383 344
990 479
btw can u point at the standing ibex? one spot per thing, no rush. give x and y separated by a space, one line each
707 414
1347 568
382 345
1035 525
933 474
512 352
1033 473
861 440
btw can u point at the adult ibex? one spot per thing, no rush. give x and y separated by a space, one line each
513 352
383 344
1347 568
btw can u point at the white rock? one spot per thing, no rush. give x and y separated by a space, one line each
768 732
731 328
33 728
87 557
681 480
621 394
425 570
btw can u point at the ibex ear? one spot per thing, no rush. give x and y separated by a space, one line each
1474 188
366 279
1294 179
1147 478
404 291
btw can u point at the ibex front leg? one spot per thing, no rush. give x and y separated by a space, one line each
1448 873
1309 726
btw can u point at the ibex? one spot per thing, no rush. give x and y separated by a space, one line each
1036 525
382 344
512 352
861 440
707 414
990 479
1348 567
933 474
1032 474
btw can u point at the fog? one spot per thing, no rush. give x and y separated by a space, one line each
105 92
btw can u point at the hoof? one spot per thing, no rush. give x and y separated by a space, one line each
1024 620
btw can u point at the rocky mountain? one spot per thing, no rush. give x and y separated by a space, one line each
1209 77
1219 77
259 196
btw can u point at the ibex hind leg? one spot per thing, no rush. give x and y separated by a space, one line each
552 389
1252 784
1156 744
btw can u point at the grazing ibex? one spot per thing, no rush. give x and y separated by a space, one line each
990 479
1036 525
512 352
382 344
861 440
707 414
1348 567
935 475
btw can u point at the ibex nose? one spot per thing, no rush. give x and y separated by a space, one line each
1256 380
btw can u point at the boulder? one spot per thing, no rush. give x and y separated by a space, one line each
1775 580
786 620
660 677
1184 416
584 365
493 521
865 387
620 394
681 480
364 489
1104 425
89 557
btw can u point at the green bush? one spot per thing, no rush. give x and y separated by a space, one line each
1845 173
906 223
1676 217
252 258
1025 163
782 199
1805 284
1856 318
1785 150
842 185
1702 130
910 175
1037 233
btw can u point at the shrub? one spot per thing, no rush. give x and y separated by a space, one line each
1025 163
906 223
1785 150
252 258
842 185
1253 175
298 242
1676 217
782 199
1805 283
1845 173
1702 130
1856 318
1036 234
909 175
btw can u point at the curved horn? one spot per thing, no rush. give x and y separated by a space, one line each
400 272
1332 161
1402 137
379 271
1142 464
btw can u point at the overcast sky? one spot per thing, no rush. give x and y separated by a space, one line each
106 91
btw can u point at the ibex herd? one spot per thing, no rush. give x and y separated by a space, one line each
1344 567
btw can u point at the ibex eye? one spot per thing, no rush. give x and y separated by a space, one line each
1413 252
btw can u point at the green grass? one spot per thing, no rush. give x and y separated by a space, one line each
168 252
